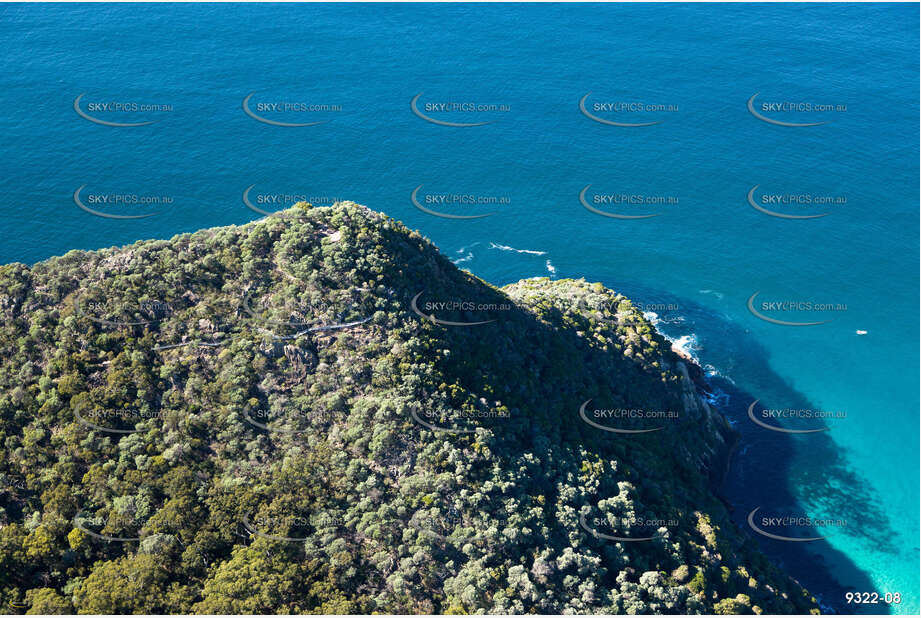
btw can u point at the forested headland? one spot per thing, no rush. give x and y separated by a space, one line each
317 412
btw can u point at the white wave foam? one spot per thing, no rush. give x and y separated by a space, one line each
507 248
719 295
712 372
686 345
551 269
463 249
655 319
466 255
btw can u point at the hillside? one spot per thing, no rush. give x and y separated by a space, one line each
318 412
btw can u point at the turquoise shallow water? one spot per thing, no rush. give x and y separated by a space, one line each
702 258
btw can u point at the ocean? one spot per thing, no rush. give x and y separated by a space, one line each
717 128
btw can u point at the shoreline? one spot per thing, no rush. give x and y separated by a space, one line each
721 468
722 459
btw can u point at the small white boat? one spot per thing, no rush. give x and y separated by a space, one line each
861 332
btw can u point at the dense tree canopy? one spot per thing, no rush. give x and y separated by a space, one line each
297 416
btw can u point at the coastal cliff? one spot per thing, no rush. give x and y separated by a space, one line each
318 412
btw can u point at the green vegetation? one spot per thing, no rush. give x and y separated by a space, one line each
241 407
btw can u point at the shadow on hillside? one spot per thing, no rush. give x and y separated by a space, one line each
781 472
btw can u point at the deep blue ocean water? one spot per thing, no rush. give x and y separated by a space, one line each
524 70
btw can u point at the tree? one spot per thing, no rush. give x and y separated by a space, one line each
47 601
127 585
